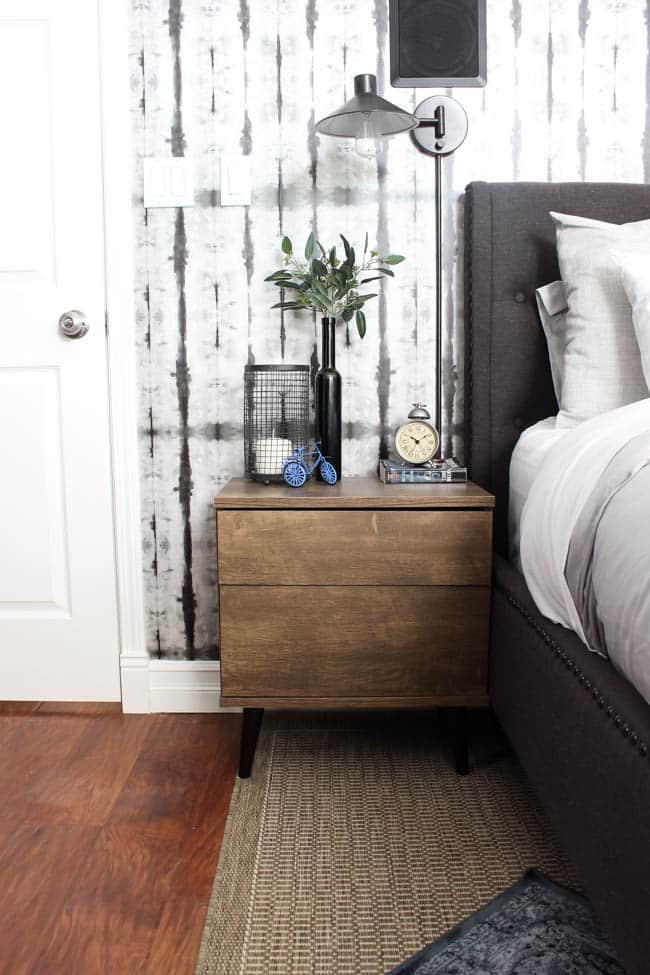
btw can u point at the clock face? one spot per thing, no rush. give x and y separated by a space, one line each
416 441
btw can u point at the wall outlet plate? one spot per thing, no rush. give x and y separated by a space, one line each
168 181
235 181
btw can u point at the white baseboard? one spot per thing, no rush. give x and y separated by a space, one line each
170 686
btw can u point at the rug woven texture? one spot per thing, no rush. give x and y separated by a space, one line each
354 844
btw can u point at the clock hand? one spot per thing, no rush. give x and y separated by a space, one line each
413 438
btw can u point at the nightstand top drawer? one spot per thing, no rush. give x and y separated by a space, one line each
354 547
352 492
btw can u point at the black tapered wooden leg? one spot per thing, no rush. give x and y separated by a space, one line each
250 730
459 739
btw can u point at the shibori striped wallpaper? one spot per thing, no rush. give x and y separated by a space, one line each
568 98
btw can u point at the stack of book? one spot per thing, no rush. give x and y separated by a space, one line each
446 470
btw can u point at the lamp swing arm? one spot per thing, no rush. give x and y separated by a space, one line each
436 122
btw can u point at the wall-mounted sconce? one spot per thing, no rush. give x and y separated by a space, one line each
438 127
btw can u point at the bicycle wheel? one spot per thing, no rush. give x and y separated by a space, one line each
294 474
328 472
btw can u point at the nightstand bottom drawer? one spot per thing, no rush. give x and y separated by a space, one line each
354 642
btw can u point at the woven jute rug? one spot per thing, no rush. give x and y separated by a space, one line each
354 843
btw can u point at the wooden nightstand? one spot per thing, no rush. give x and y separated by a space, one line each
361 595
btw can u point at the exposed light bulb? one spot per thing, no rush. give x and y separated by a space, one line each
366 143
366 148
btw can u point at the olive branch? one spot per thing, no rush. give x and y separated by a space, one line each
330 285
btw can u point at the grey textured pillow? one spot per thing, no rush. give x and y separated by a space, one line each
552 308
602 363
635 275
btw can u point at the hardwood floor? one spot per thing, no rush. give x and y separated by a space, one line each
110 829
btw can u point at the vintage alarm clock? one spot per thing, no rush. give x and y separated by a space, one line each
417 440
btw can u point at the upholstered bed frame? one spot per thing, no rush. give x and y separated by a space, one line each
580 730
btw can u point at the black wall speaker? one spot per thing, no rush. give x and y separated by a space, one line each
437 43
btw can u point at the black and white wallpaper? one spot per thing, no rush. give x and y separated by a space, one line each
568 98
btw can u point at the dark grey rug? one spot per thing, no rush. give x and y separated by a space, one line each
533 928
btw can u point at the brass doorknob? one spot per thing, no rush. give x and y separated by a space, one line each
73 324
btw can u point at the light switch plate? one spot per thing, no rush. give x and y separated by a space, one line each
235 181
168 181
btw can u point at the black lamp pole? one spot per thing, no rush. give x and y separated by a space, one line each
438 204
442 129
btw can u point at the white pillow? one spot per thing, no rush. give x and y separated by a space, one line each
602 364
635 275
552 307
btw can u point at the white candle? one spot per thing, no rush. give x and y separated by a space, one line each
270 454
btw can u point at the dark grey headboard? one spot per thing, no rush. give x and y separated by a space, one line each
510 251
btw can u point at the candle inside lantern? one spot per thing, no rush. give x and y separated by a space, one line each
270 454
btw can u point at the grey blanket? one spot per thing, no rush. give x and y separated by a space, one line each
608 560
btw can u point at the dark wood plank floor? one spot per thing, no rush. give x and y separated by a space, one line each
110 829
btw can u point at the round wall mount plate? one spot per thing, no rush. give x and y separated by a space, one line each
456 126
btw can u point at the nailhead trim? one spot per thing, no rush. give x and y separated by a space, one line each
597 697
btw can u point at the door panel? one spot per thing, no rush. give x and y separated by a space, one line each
34 570
58 612
27 239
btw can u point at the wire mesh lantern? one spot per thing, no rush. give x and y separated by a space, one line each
276 418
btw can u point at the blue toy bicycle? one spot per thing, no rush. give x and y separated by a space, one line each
297 469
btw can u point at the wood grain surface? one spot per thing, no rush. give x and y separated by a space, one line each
110 829
352 548
354 641
352 492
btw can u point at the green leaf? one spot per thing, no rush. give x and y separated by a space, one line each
386 270
347 314
368 280
289 304
319 287
288 284
319 268
287 246
333 258
322 250
360 301
317 302
277 275
309 247
361 323
365 246
392 259
347 246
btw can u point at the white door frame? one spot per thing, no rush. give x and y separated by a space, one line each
147 685
120 317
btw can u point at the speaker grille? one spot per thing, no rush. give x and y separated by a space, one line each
438 38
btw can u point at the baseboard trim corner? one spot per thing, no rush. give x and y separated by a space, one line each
170 686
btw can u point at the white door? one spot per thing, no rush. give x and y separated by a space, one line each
58 614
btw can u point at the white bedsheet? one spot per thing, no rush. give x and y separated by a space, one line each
527 458
565 479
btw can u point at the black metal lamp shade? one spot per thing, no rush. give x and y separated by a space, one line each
367 115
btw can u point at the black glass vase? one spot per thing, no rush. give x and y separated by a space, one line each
328 399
